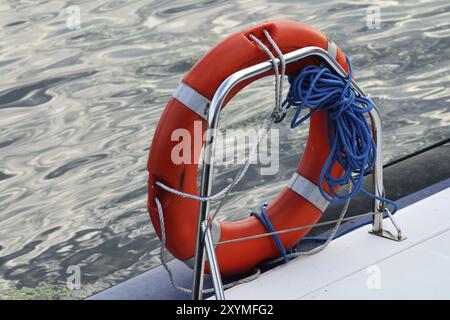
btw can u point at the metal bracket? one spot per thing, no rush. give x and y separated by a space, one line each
386 233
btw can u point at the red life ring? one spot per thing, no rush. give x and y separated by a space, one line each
291 208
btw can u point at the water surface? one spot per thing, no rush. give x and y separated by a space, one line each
78 108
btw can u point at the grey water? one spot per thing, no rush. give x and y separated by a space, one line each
79 103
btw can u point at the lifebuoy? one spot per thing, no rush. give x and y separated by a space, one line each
300 203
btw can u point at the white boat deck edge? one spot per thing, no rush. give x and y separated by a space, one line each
359 265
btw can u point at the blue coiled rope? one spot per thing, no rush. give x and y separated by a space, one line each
348 132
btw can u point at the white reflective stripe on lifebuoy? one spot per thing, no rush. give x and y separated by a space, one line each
332 49
308 190
192 99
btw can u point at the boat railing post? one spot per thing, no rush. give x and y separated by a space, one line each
379 207
204 239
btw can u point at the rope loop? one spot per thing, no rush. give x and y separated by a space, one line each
264 219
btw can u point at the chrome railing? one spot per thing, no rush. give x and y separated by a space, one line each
204 238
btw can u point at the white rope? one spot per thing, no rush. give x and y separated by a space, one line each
327 242
266 127
283 68
278 77
216 196
224 192
162 251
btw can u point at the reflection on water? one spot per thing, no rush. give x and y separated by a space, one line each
78 109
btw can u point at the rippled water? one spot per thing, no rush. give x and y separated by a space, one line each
78 109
